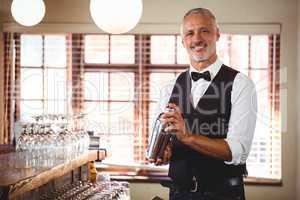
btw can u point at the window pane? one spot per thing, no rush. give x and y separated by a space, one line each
115 126
97 118
96 86
31 83
182 56
259 51
121 118
121 86
31 50
55 107
30 108
263 156
122 49
55 86
261 80
119 148
160 83
163 49
258 163
113 118
153 114
239 52
223 49
96 49
55 51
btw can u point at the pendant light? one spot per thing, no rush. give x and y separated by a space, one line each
28 12
116 16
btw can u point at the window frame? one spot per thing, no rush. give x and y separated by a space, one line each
44 69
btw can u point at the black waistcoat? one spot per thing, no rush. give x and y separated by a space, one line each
209 118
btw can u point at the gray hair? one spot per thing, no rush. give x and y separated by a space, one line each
200 11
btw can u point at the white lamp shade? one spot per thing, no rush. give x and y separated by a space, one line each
28 12
116 16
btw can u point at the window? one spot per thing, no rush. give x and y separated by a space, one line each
110 108
123 77
257 57
163 57
43 75
109 93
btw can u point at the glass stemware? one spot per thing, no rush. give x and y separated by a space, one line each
52 137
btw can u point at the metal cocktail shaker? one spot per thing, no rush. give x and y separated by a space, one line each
159 139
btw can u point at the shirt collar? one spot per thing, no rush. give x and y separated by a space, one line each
213 68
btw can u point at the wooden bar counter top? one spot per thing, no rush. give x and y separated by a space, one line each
18 175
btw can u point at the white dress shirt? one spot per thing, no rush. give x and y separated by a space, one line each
243 111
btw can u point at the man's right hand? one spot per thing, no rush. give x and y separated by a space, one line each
166 156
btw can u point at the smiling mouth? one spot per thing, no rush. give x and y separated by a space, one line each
198 48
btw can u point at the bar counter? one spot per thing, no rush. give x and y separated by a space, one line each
17 177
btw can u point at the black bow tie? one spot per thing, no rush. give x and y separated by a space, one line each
205 75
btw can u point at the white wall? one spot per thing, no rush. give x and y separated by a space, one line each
169 12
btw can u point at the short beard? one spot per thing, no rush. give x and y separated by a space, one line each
199 59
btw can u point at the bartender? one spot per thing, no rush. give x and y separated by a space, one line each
213 119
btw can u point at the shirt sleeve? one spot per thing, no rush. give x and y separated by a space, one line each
242 119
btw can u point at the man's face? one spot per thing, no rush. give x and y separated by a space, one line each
199 37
